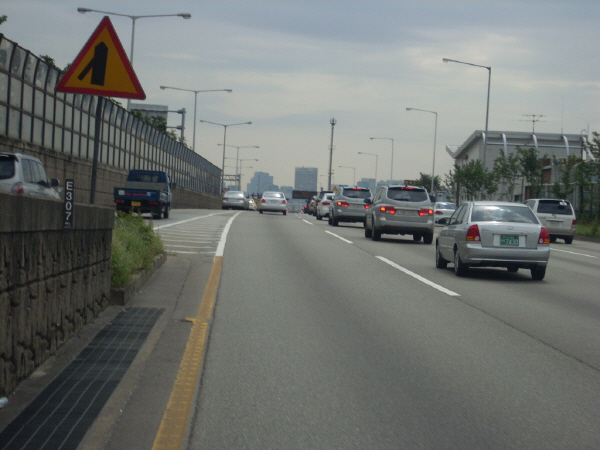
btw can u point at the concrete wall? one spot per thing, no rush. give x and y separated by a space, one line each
52 282
63 166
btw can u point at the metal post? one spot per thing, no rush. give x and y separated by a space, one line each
332 122
97 137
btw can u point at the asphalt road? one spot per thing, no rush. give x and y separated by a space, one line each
324 339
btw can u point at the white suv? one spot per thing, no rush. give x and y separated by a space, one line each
556 215
24 174
400 210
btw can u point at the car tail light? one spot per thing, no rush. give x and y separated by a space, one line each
544 236
225 198
426 212
439 212
367 205
574 224
18 188
283 202
344 204
387 209
326 203
473 233
262 200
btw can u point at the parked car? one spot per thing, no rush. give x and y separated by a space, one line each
349 205
494 234
557 216
274 202
442 211
25 174
400 210
235 200
323 208
318 198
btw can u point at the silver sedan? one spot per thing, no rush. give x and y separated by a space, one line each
494 234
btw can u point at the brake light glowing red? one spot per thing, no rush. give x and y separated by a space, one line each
473 234
283 202
262 200
344 204
387 209
367 205
326 203
18 188
544 236
426 212
439 212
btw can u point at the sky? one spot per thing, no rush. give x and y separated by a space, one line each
295 65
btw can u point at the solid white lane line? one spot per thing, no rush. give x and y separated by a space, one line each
419 277
572 253
339 237
156 227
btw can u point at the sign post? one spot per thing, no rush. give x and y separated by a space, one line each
102 69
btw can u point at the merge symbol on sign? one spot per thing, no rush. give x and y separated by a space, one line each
97 65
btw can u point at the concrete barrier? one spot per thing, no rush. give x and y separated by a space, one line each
52 281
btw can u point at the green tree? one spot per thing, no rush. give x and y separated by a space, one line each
506 171
424 180
477 183
531 169
588 177
3 19
565 187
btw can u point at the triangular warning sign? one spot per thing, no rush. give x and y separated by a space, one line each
102 68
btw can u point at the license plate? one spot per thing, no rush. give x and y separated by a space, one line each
136 203
403 212
512 241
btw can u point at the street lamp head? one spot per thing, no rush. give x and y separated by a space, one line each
409 109
229 90
185 15
445 60
163 87
83 10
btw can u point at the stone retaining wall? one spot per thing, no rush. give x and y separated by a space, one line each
52 282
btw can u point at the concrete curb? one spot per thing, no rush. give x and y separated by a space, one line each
121 296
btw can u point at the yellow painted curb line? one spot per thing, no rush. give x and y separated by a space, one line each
173 427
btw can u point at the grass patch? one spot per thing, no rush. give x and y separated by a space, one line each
588 228
134 247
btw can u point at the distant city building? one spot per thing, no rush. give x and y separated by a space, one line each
261 182
306 179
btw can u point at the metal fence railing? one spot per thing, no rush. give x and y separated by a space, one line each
32 111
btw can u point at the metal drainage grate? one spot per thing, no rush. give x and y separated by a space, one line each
60 416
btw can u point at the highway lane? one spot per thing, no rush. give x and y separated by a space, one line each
319 342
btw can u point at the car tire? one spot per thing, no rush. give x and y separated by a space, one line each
538 273
417 237
460 269
440 262
335 222
329 220
368 231
375 233
166 212
568 240
319 217
284 213
428 238
260 211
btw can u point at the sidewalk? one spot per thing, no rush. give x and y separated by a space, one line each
141 385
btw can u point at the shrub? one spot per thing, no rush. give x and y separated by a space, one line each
134 247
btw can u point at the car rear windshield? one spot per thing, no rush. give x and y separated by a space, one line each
7 167
445 206
273 194
406 194
356 193
503 213
554 207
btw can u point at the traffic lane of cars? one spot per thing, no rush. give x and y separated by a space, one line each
562 311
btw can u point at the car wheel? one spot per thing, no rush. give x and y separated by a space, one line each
368 231
427 238
568 240
440 262
166 212
416 237
284 213
460 269
375 233
319 217
260 211
538 273
335 222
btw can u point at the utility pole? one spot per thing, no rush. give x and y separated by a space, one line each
332 122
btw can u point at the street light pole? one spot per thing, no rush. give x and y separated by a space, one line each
376 163
354 177
392 162
237 158
133 19
434 143
240 171
196 104
487 111
224 142
332 122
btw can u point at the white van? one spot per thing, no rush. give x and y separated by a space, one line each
556 215
24 174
